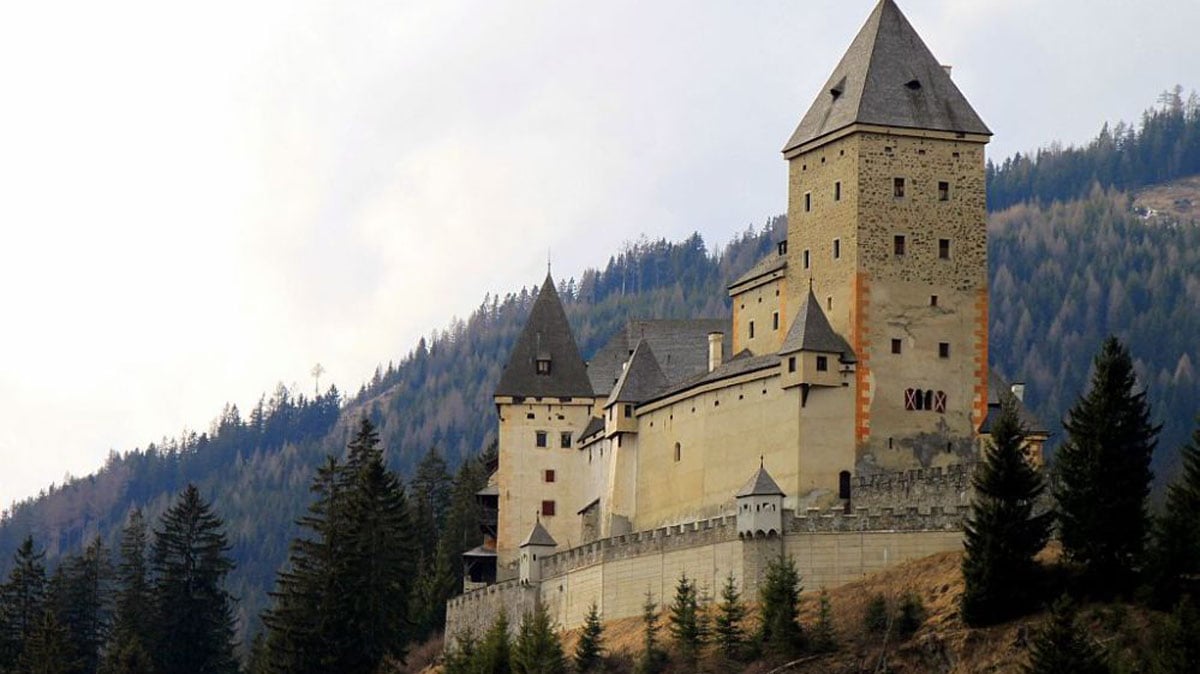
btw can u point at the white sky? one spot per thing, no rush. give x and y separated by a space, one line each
198 201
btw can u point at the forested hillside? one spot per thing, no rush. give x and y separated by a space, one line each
1063 276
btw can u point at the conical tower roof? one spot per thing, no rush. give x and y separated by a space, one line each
547 337
642 378
539 536
811 331
761 484
890 78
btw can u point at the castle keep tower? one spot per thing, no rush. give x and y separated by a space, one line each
887 222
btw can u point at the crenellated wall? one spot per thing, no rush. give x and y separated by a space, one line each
947 487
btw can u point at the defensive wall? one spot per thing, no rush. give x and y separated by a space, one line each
830 548
947 487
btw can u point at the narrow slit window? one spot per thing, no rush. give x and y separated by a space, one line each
806 259
775 321
933 300
791 363
898 244
944 249
678 451
837 249
943 191
807 201
751 329
898 188
837 191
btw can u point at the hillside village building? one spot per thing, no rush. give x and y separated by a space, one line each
853 373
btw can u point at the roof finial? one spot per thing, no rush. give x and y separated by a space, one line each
547 261
810 283
760 461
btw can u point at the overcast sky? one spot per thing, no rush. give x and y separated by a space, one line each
200 200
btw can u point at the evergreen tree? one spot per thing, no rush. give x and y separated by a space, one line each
1060 646
1003 534
687 629
431 487
494 655
22 602
80 599
591 642
731 612
780 632
653 658
824 634
126 654
193 614
1103 473
1177 650
1175 553
537 650
460 656
48 649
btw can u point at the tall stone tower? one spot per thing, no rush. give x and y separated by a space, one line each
887 221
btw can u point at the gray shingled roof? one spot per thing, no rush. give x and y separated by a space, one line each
743 363
997 389
773 262
680 346
888 77
761 484
594 426
539 536
811 331
641 379
546 334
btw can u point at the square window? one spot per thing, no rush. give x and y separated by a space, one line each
628 411
549 475
933 300
807 201
896 346
543 366
837 249
822 363
775 321
943 190
541 438
791 363
565 439
806 259
898 188
898 244
837 191
943 349
547 508
944 249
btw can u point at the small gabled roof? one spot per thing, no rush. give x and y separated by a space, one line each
771 263
680 346
641 379
539 536
594 426
888 77
547 335
761 484
811 331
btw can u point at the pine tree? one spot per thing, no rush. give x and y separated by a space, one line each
687 629
80 598
588 650
537 650
1060 646
460 656
48 649
1003 534
22 602
494 655
1177 650
731 612
126 653
653 659
780 632
193 614
1103 473
1175 553
824 635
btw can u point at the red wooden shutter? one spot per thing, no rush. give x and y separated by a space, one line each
939 402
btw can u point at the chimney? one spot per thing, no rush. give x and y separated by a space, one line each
1018 390
716 342
947 69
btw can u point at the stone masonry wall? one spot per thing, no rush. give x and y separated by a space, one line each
948 488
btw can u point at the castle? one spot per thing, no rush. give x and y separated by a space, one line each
834 416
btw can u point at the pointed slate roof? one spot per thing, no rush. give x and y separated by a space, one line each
811 331
642 378
888 77
680 347
546 335
762 484
539 536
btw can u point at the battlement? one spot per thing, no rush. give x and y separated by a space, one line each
909 518
948 487
674 537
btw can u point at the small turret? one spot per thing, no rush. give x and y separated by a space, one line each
760 506
536 546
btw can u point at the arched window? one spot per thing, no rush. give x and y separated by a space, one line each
844 484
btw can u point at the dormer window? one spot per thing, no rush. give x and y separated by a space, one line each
543 365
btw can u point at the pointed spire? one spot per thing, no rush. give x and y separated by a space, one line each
811 331
545 360
642 378
539 536
887 77
760 484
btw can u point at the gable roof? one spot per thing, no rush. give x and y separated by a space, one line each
680 347
539 536
811 331
546 335
642 377
890 78
761 484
